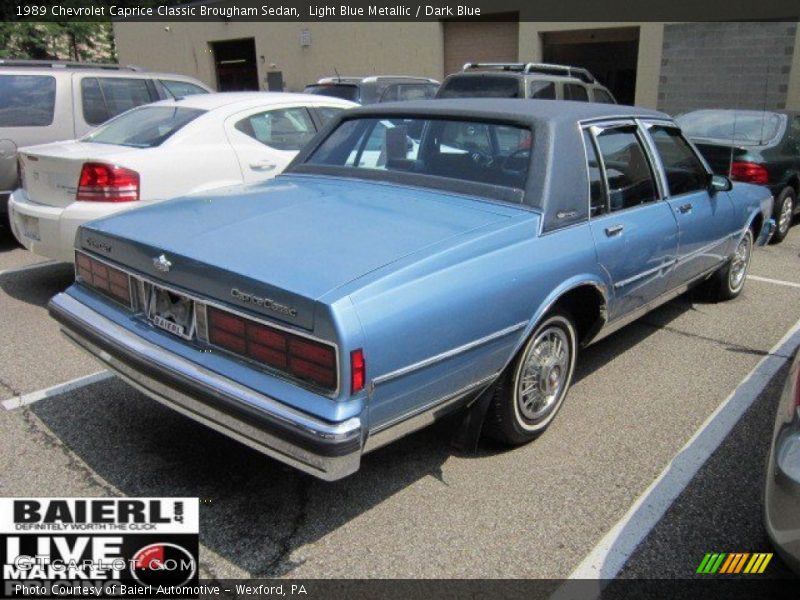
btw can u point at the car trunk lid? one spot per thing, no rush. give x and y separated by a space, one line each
286 243
51 171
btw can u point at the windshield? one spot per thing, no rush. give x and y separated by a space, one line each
483 86
459 151
745 127
339 90
144 127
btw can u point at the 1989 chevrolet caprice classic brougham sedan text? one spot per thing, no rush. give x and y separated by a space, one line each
413 258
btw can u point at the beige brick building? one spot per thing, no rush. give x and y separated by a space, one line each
671 66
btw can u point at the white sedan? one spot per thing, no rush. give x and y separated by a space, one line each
156 152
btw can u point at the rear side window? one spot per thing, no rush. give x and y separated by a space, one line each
180 89
603 97
574 91
543 90
408 91
144 127
630 180
106 97
685 173
480 86
287 129
27 100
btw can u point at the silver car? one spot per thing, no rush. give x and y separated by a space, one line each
782 493
49 101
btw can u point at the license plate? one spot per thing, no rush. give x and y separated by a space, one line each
30 228
171 312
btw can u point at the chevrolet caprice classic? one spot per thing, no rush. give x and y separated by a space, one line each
414 259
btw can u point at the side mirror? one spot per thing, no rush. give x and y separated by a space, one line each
719 183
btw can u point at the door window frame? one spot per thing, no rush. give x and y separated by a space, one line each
595 128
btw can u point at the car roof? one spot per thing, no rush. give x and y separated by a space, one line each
513 109
246 99
96 71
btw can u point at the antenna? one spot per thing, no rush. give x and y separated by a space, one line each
338 77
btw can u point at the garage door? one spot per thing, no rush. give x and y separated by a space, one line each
477 41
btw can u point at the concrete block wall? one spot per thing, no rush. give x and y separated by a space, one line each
726 65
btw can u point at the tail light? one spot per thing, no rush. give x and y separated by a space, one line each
297 356
107 183
358 375
750 172
103 278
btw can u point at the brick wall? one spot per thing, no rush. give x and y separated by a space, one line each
725 65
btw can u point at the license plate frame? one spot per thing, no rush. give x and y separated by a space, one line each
171 311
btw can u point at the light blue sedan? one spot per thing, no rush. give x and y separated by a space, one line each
414 259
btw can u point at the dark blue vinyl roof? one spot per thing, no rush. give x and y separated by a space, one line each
517 109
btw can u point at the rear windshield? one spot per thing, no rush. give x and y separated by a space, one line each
744 127
338 90
144 127
480 86
460 151
27 100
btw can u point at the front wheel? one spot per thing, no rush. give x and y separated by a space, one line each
531 392
728 282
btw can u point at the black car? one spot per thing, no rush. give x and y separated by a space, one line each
378 88
759 147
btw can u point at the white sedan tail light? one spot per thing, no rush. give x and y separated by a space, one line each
100 182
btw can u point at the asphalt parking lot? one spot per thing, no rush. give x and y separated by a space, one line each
418 508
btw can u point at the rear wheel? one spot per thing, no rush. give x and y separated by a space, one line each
531 392
784 212
728 282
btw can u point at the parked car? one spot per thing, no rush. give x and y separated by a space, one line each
760 147
524 80
782 488
348 302
155 152
46 101
380 88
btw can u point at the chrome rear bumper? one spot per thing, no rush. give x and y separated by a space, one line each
326 450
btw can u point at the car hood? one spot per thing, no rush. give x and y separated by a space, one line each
296 238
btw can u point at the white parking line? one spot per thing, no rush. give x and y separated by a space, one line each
74 384
775 281
612 552
38 265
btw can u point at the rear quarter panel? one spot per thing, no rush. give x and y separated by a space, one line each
496 287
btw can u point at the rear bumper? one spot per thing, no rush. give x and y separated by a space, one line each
326 450
56 225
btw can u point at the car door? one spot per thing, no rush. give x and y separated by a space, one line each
705 218
266 140
634 230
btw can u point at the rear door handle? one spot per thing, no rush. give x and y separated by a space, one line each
614 230
262 165
685 208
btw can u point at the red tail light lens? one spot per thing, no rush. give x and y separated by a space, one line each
107 183
297 356
107 280
750 172
358 371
